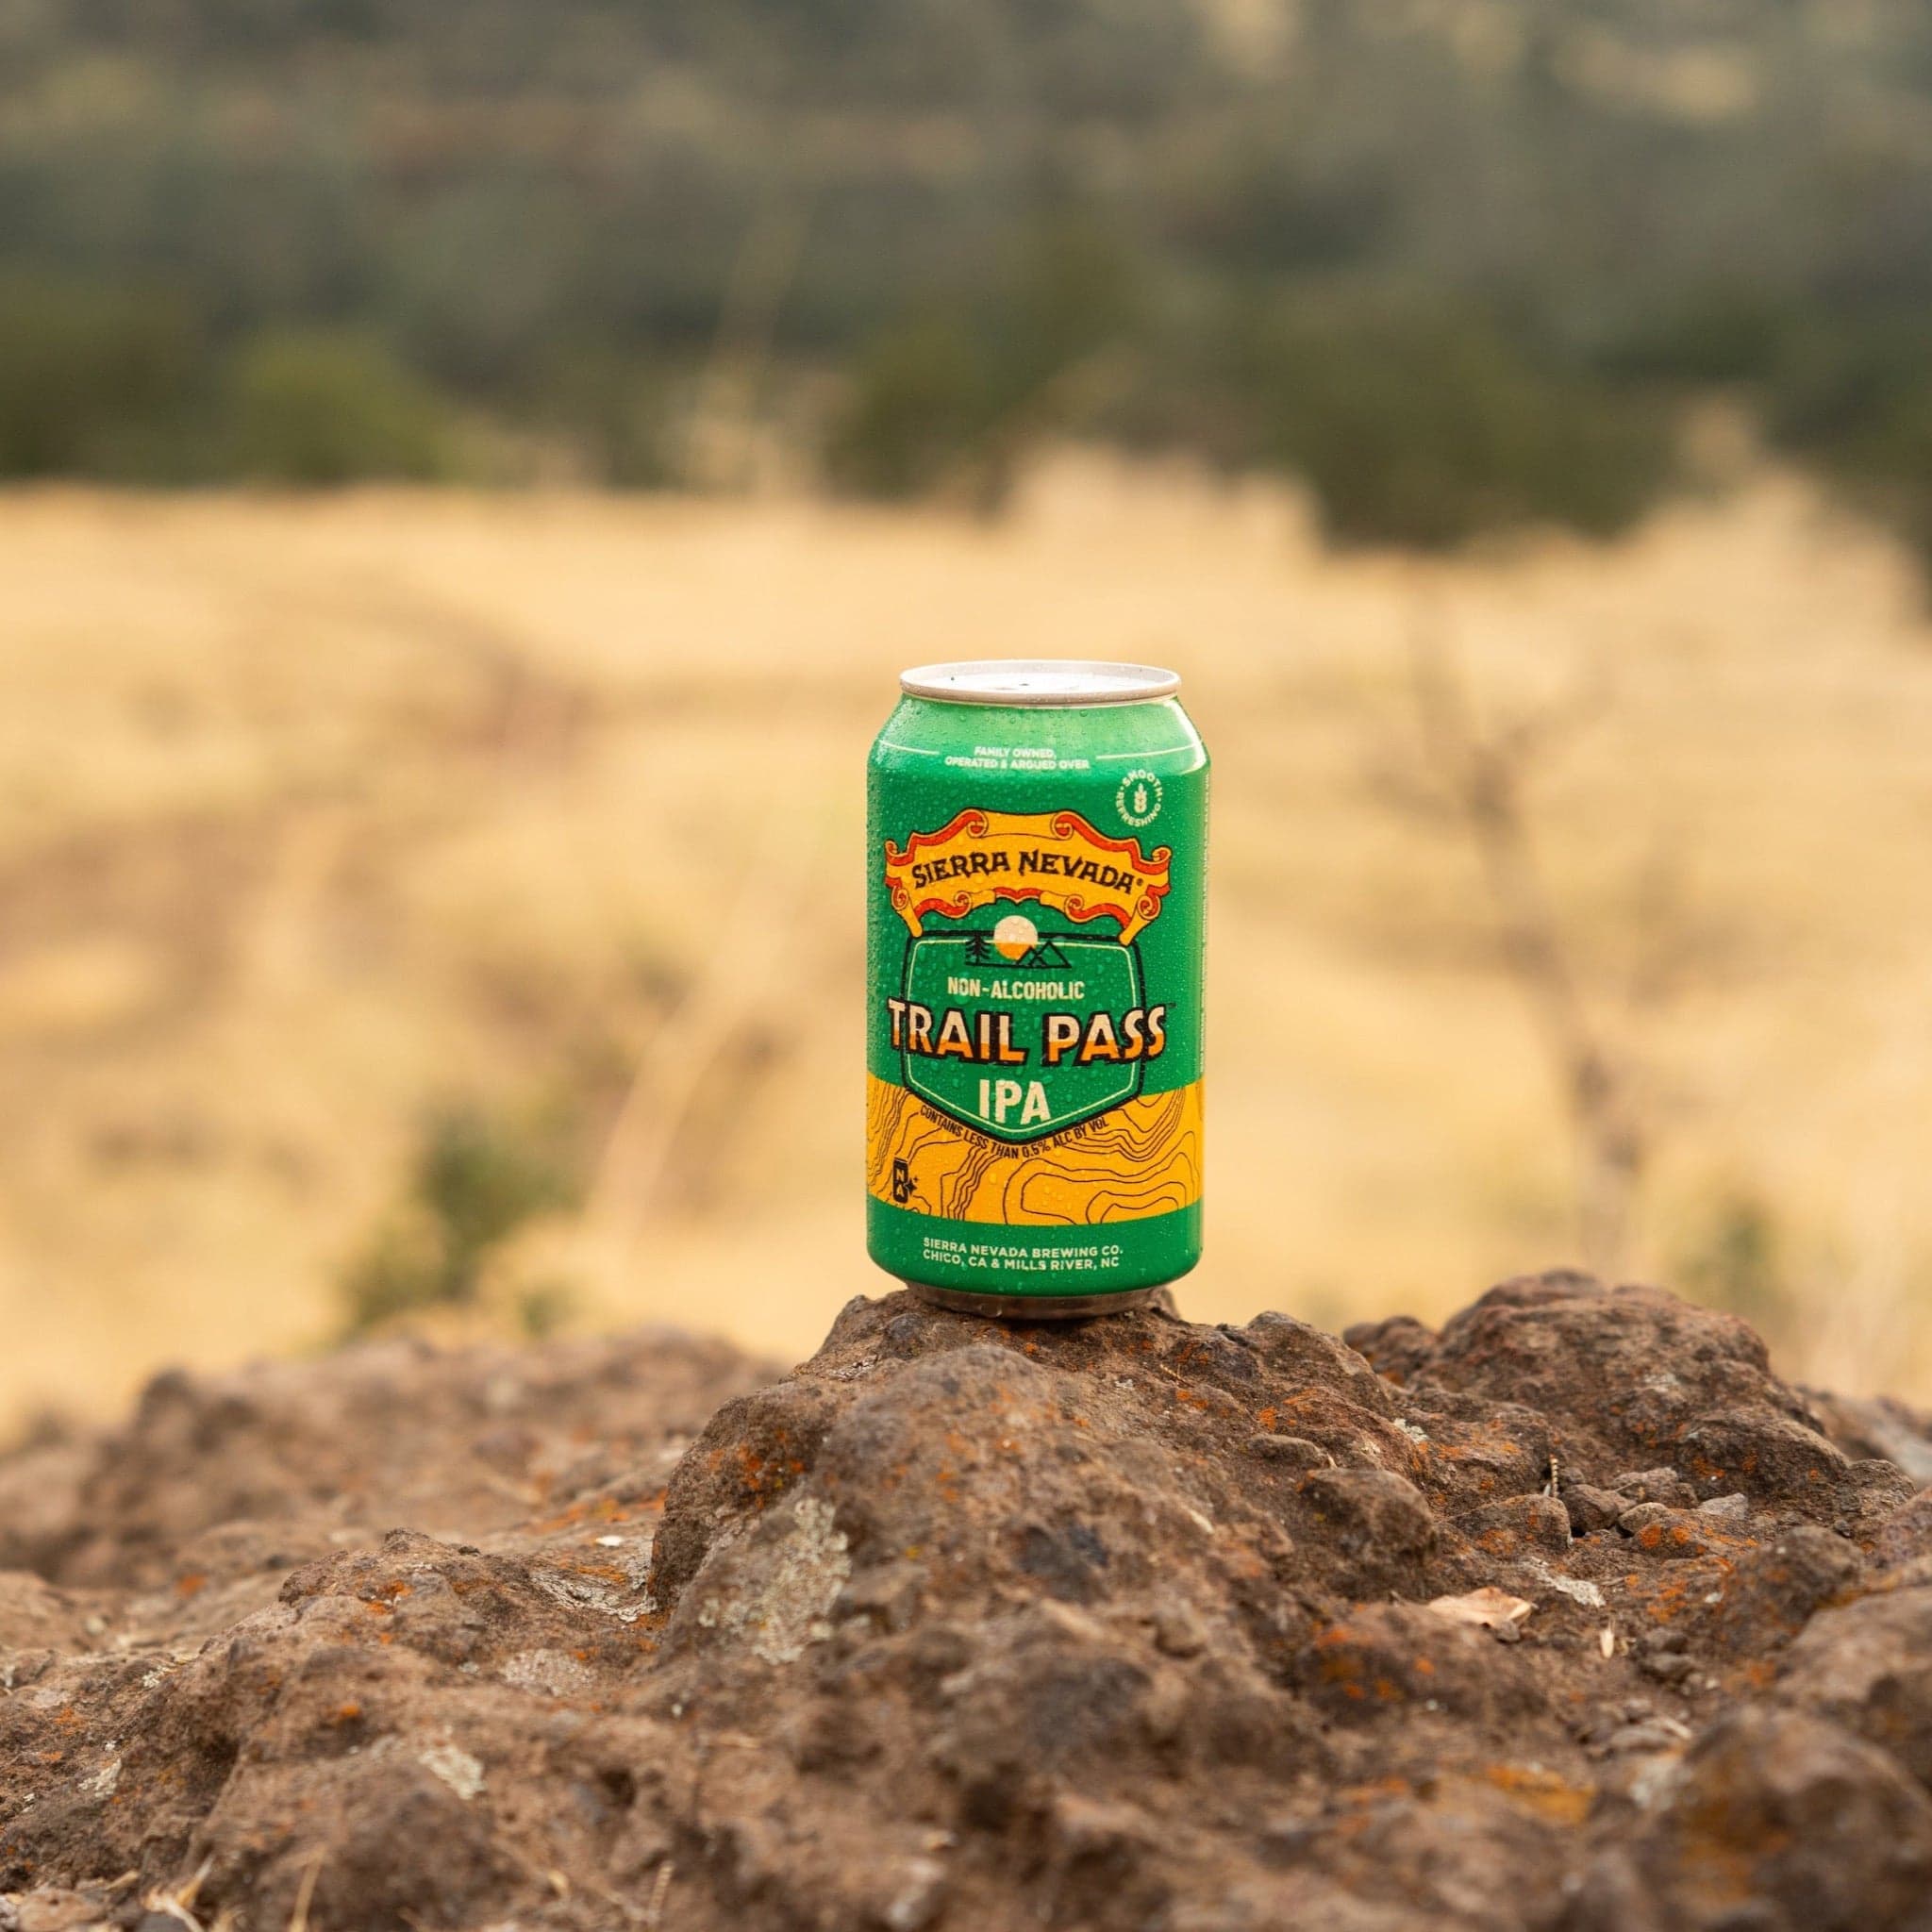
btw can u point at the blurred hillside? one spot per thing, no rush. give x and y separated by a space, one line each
441 903
1460 262
444 904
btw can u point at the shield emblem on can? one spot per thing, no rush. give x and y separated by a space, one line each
1022 979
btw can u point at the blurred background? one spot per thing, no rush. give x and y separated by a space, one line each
471 473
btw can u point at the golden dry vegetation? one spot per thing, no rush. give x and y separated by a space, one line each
314 814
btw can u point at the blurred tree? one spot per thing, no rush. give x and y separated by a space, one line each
1736 1260
970 387
1612 207
919 394
316 407
1417 423
93 380
1860 403
613 407
1717 334
475 1180
1074 286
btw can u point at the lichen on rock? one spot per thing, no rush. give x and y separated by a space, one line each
785 1584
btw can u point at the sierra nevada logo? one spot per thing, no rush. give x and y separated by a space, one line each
1054 857
1012 1026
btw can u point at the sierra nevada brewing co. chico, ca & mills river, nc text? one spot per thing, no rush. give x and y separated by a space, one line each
1037 872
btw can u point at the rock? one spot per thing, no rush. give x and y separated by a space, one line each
1393 1662
1621 1371
1120 1625
1667 1665
1734 1510
1520 1524
1468 1452
1608 1895
1904 1535
1591 1508
1776 1586
1396 1348
1301 1354
1767 1457
35 1616
1868 1667
1647 1738
1793 1819
1666 1533
1178 1632
1662 1485
1879 1427
1291 1452
751 1453
1378 1524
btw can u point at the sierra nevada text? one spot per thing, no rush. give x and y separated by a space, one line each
1027 860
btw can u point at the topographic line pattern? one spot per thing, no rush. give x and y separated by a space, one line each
1140 1158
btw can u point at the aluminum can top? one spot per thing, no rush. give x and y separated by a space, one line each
1039 682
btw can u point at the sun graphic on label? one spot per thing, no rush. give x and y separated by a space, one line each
1015 936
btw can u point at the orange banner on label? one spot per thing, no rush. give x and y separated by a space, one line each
1054 857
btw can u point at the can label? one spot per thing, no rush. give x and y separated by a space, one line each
1034 1101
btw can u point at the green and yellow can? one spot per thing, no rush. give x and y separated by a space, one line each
1037 848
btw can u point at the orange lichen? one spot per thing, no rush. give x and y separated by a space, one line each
1541 1793
1374 1792
599 1509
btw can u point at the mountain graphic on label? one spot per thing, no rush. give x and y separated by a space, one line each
1006 943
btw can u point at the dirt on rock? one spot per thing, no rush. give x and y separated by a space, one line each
1571 1618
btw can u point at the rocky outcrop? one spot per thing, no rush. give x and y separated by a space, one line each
1573 1616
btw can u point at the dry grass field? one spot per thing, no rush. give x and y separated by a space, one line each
316 816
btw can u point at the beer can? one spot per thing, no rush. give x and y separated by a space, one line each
1036 907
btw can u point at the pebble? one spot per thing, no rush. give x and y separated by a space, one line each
1291 1452
1736 1509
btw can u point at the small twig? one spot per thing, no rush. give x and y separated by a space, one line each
632 1174
1484 771
629 1909
760 278
305 1894
192 1891
179 1902
654 1912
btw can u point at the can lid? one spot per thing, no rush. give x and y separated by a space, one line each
1039 682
